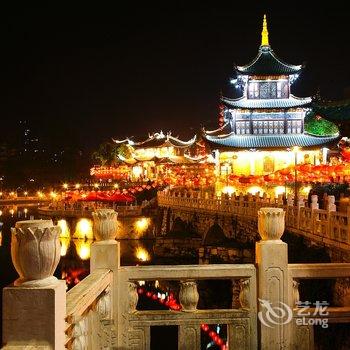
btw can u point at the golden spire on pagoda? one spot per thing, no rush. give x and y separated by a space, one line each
265 34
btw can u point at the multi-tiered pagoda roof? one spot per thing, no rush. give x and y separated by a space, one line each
267 115
267 63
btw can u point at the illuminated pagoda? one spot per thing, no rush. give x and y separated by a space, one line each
265 129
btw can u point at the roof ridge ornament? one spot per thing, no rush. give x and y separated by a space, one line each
265 34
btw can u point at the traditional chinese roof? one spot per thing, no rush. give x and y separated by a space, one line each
158 140
267 63
244 102
276 141
223 130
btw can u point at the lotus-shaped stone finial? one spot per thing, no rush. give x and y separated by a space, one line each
271 223
35 252
105 224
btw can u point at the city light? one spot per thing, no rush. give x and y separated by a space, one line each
40 194
77 186
96 185
116 186
65 186
25 193
53 194
0 212
12 193
141 224
228 190
255 189
279 190
142 254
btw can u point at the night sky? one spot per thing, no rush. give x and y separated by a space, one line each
84 75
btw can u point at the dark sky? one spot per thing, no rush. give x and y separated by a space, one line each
86 74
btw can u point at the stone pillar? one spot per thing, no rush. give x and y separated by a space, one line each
290 201
272 264
314 200
331 204
34 307
105 252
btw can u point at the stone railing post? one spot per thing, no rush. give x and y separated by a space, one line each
34 307
331 204
272 264
105 252
189 334
314 199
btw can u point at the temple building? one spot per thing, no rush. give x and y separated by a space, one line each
159 154
265 129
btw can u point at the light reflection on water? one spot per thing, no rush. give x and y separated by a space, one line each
76 242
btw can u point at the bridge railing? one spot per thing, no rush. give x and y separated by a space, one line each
323 225
241 322
88 312
102 311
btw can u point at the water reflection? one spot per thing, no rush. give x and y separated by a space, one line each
83 229
76 240
142 254
65 232
65 243
83 248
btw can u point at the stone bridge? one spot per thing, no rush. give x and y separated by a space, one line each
237 218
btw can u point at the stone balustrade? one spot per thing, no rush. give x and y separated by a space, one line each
241 322
102 311
328 227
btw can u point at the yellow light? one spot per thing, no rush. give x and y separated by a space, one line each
279 190
229 190
64 228
254 190
53 195
0 212
40 194
25 193
25 210
305 190
116 186
77 186
96 185
142 254
296 149
12 212
83 248
0 194
65 186
84 229
12 193
64 245
137 171
141 224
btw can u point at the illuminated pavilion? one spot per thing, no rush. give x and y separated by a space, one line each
264 130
